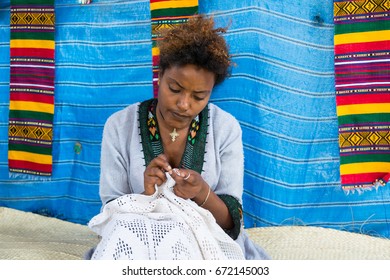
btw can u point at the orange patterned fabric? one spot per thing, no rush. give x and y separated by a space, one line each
362 68
31 87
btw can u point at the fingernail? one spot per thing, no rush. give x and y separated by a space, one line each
176 171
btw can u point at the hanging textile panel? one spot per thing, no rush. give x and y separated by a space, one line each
362 69
165 14
31 87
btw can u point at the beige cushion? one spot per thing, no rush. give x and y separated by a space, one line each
317 243
28 236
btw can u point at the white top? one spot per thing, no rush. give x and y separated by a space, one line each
123 163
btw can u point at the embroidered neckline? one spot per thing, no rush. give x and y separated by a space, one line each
193 156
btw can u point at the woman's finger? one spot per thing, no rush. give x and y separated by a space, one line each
157 173
161 162
177 192
187 176
184 174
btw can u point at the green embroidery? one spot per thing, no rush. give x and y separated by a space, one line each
152 126
235 210
194 127
193 156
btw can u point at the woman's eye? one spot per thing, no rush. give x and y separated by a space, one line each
198 98
174 90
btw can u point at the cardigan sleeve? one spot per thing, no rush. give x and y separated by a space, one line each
114 181
229 154
235 210
230 157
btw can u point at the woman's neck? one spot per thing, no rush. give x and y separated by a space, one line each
165 129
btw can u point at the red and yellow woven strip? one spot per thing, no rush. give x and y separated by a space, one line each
362 68
31 107
165 14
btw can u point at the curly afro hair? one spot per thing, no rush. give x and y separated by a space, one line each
195 42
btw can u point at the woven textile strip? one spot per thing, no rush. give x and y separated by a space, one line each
31 87
362 68
166 14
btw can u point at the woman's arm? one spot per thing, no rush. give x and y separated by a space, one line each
229 151
113 162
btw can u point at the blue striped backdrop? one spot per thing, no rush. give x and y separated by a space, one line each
281 91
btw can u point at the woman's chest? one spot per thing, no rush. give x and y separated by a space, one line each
174 151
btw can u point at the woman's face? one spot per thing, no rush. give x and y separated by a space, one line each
183 93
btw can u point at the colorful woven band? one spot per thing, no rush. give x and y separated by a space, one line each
31 87
362 68
165 14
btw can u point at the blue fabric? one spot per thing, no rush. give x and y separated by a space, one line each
103 63
281 91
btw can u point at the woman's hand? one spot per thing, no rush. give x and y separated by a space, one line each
155 173
189 185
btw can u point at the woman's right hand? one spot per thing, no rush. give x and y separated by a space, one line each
155 173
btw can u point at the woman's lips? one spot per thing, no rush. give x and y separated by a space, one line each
180 116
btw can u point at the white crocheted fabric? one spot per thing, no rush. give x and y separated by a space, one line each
160 227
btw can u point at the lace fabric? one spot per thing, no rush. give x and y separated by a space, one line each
160 227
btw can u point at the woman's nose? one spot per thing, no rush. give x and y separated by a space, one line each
184 102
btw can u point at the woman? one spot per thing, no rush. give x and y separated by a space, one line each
180 136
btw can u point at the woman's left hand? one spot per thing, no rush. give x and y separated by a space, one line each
189 184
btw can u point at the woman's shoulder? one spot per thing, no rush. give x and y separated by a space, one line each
222 118
124 118
129 109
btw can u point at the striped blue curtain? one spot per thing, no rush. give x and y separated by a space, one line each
281 91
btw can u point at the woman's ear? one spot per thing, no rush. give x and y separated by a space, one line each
160 75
